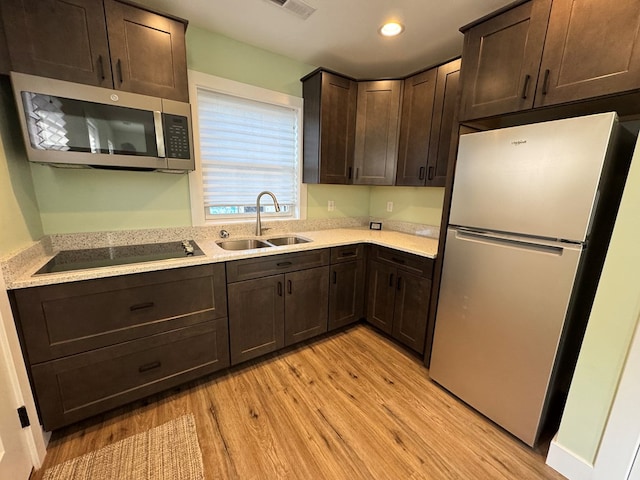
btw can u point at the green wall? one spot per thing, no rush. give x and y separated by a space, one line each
19 218
410 204
609 332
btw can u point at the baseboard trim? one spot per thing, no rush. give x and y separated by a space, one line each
568 463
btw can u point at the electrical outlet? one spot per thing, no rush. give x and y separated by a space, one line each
331 206
389 206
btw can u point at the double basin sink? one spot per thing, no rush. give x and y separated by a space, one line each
252 243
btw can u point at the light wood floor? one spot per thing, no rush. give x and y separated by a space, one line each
353 405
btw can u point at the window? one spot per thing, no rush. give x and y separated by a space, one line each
248 140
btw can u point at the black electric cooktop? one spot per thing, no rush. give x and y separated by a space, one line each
68 260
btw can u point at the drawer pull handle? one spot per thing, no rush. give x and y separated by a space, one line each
149 366
284 264
141 306
398 260
348 254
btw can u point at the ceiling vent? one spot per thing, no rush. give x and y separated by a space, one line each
297 7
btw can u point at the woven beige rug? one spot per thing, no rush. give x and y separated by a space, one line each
168 452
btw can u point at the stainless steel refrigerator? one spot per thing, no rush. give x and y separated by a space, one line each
531 215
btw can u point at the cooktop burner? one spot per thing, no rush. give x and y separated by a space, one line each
68 260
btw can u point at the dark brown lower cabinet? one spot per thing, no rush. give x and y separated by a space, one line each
79 386
398 295
98 344
346 288
256 317
267 311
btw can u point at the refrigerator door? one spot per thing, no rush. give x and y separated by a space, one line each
503 302
538 179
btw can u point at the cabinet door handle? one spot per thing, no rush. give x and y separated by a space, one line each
421 173
149 366
391 279
289 286
335 277
284 264
545 82
431 169
525 87
350 172
279 289
399 285
101 67
357 173
141 306
119 68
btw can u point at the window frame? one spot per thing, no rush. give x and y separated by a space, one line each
250 92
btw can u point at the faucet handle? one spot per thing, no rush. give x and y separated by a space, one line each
224 234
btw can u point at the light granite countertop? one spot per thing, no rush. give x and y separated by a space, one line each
418 245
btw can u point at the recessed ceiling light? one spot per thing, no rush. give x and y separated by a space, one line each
391 29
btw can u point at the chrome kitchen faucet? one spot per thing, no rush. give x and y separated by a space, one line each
275 204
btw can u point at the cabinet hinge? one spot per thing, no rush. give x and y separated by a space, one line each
24 417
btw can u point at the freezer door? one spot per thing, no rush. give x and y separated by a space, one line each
538 179
501 311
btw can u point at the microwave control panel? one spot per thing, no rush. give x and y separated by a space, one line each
176 136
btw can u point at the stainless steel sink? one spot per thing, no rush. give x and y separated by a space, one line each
243 244
292 240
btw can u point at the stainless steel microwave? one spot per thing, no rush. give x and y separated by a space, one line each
66 123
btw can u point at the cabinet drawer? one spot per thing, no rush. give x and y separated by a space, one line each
347 253
239 270
83 385
70 318
422 266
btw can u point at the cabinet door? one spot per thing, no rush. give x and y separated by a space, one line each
256 317
306 304
329 125
377 125
148 52
591 50
501 61
381 295
346 294
415 128
442 125
58 39
411 310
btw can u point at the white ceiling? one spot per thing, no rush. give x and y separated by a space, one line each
342 34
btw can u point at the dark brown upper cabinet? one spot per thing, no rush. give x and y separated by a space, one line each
64 39
329 127
501 61
591 49
106 43
415 128
428 115
377 128
148 51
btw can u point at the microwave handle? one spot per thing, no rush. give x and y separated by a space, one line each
157 122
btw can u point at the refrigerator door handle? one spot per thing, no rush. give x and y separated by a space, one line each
523 243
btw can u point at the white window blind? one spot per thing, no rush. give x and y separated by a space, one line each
246 146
